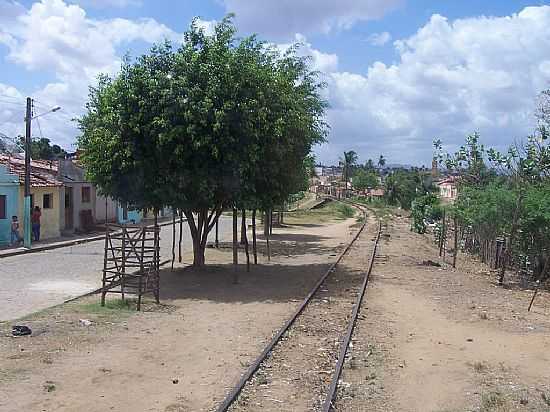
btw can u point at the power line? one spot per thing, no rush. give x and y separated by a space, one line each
14 103
19 99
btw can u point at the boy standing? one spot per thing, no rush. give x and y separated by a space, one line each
15 238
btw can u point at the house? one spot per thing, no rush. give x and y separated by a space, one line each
448 189
78 198
9 195
375 193
45 192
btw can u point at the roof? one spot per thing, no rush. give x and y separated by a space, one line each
43 172
376 192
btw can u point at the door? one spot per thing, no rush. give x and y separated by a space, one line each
69 208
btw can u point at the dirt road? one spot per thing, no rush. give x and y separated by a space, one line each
428 339
181 356
438 339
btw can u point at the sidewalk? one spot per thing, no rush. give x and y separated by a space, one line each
56 243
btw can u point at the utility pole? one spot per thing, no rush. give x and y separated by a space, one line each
27 202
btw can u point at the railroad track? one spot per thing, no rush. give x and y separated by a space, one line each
344 339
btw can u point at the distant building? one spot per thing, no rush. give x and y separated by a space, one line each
448 190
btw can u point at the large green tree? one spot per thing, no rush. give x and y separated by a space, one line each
218 122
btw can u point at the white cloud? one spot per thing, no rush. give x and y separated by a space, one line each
207 25
322 62
283 18
451 79
59 38
102 4
379 39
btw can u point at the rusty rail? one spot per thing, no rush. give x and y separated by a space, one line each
236 390
327 406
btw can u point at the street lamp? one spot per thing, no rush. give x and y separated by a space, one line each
27 200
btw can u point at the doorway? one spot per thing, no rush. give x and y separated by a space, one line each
69 208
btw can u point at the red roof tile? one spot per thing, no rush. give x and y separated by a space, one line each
43 172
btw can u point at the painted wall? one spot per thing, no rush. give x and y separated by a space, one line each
134 216
100 209
9 187
50 225
78 204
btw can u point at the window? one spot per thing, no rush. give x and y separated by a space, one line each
86 194
3 206
47 201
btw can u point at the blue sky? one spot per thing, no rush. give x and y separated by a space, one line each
399 72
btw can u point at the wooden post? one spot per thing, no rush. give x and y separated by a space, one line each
442 234
456 241
181 236
243 229
254 249
173 238
123 264
245 241
103 290
235 239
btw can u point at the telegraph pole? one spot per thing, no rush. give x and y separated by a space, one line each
27 202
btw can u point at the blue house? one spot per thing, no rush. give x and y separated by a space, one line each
125 215
9 203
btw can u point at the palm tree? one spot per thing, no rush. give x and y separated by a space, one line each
348 162
381 162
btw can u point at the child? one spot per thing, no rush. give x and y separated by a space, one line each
15 238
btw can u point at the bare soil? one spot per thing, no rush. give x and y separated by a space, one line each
428 338
180 356
443 339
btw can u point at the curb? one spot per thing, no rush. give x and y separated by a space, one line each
64 244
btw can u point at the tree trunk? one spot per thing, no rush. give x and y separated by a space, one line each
266 224
217 243
173 238
254 248
181 236
244 234
199 231
235 238
270 222
243 229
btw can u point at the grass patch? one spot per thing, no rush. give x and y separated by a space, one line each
494 402
111 306
331 210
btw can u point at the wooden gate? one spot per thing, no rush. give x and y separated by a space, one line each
131 262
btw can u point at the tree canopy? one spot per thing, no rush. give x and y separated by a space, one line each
216 122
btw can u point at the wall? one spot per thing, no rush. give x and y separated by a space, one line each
78 205
9 186
50 223
100 209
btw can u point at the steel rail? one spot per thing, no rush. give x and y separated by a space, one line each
236 390
327 406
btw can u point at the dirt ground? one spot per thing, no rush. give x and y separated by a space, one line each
428 339
180 356
443 339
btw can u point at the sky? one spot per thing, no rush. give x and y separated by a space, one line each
398 73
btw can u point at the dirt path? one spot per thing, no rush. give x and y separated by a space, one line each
181 356
438 339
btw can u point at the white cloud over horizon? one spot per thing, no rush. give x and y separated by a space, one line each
450 78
